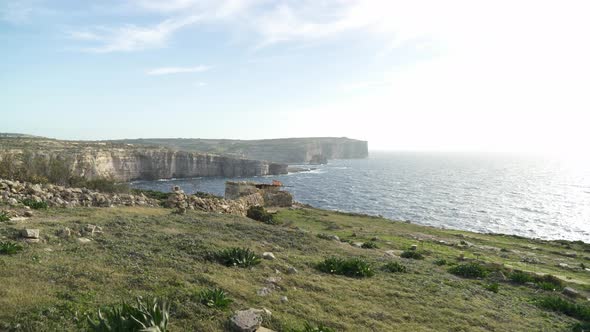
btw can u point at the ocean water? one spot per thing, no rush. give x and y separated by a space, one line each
529 196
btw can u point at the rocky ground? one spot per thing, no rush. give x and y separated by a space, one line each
78 259
14 193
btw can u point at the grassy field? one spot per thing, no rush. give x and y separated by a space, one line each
53 285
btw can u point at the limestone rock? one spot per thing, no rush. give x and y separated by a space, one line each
292 270
568 291
268 255
65 233
284 299
264 291
414 247
246 320
264 329
30 233
83 240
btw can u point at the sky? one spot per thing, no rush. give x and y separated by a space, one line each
404 75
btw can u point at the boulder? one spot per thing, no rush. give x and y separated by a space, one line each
246 320
284 299
292 270
30 233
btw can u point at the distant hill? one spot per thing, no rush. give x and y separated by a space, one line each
17 135
283 150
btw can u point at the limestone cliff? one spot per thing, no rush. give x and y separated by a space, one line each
124 162
125 165
284 150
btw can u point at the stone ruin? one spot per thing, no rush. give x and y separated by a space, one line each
271 193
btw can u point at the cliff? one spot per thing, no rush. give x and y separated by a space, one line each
283 150
123 162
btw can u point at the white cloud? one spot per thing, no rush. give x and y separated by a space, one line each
131 37
273 21
177 70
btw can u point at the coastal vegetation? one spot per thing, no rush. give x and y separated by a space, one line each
204 266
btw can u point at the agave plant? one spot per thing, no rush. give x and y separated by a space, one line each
214 298
143 317
9 248
4 216
241 257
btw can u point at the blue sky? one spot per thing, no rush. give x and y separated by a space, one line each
453 75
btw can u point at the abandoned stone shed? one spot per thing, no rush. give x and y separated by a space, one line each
271 193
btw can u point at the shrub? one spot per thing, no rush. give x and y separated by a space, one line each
313 328
214 298
469 270
260 214
394 267
35 205
241 257
549 282
370 245
143 316
440 262
493 287
412 254
9 248
353 267
556 303
546 286
545 282
4 216
581 327
521 277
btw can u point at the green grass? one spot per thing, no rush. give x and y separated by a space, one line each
149 252
350 267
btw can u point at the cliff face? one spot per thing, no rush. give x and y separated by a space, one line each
287 150
164 164
124 163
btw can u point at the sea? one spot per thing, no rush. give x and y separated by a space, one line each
531 196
